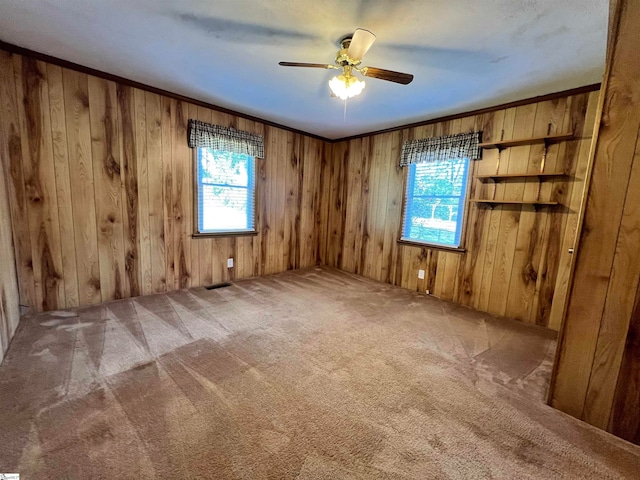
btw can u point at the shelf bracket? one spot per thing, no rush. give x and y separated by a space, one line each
495 180
544 156
542 165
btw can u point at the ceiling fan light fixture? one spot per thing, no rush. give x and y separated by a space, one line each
345 87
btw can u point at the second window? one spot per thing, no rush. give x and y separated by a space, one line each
435 200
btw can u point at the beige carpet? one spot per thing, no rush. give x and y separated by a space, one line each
312 374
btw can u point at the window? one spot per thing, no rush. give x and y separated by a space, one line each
435 201
225 192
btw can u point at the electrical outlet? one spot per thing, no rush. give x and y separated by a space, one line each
421 274
427 291
229 262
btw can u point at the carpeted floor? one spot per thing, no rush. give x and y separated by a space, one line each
311 374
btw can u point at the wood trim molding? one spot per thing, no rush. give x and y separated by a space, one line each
9 47
517 103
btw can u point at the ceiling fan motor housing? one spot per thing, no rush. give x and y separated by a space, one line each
342 57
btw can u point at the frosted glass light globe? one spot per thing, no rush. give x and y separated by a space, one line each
346 87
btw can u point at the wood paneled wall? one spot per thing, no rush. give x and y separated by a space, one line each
516 261
9 301
597 372
100 188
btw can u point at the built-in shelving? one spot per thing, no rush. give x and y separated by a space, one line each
540 176
547 140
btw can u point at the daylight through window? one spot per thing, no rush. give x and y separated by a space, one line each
226 191
435 200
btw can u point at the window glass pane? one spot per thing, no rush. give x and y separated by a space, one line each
441 178
434 220
225 191
222 167
224 208
435 201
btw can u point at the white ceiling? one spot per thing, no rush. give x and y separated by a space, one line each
465 54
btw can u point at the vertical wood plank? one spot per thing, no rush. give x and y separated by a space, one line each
105 153
144 245
39 177
395 193
267 173
309 201
383 171
372 192
167 191
284 141
322 214
129 179
76 102
625 421
153 114
9 77
293 176
9 289
182 210
63 185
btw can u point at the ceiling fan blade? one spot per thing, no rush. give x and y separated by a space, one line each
389 75
360 43
310 65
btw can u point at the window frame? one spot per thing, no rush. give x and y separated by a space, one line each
197 203
463 225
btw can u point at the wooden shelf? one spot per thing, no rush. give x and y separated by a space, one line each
527 141
539 176
515 202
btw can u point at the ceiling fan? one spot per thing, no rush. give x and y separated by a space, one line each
348 59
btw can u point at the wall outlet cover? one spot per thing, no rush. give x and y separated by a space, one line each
229 262
421 274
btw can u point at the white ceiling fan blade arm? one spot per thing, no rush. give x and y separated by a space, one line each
360 43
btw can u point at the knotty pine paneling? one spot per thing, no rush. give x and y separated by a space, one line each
516 261
101 192
597 372
100 186
9 297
